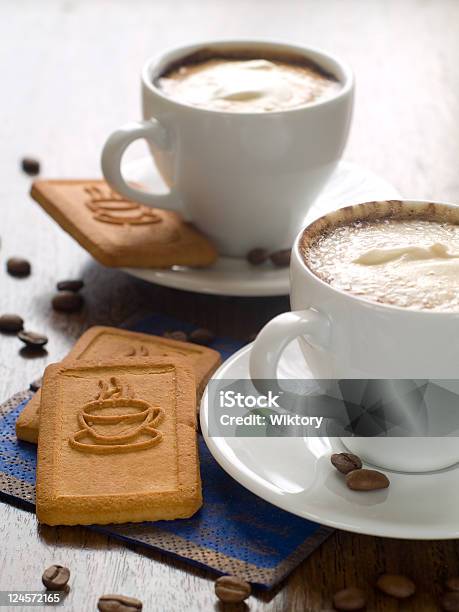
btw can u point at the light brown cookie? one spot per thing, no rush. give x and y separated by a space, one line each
118 232
118 443
101 343
28 421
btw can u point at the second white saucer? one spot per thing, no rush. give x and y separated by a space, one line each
350 184
296 475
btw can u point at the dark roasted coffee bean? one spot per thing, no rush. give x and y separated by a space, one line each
366 480
118 603
30 165
56 577
396 585
70 285
16 266
450 601
31 339
452 584
252 337
231 589
35 385
176 335
202 336
351 598
256 257
11 323
346 462
281 258
67 301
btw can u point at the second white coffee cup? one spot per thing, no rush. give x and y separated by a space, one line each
246 180
343 336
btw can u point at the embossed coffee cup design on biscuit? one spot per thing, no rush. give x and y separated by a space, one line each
108 206
115 421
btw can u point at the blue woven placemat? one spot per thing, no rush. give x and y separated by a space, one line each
235 532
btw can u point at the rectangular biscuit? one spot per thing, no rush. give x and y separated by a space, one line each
119 232
118 443
28 421
99 343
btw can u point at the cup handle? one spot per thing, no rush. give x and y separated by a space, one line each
279 332
112 154
267 351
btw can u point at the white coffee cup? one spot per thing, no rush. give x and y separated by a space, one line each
343 336
246 180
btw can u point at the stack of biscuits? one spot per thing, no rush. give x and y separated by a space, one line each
115 423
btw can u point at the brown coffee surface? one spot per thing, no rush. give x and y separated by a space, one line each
246 84
406 262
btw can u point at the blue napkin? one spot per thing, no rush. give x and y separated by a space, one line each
235 532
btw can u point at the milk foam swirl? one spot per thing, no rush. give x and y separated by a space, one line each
411 263
256 85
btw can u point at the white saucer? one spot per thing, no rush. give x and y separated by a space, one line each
296 475
350 184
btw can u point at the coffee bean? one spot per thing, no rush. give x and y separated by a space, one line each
176 335
452 584
231 589
118 603
252 337
256 257
351 598
17 266
31 339
281 258
395 585
67 301
11 323
30 165
366 480
346 462
202 336
450 601
35 385
70 285
56 577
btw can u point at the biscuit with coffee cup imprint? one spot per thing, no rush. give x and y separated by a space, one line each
100 343
118 442
119 232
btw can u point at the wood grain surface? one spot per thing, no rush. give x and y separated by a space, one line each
70 75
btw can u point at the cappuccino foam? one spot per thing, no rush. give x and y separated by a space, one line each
246 85
410 263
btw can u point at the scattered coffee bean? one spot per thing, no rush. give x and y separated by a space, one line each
351 598
56 577
35 385
450 601
256 257
67 301
452 584
30 165
11 323
31 339
231 589
17 266
118 603
176 335
281 258
395 585
202 336
70 285
252 337
346 462
366 480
